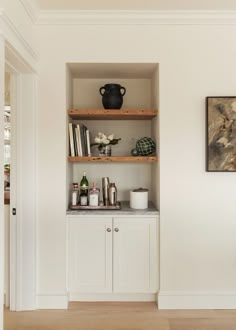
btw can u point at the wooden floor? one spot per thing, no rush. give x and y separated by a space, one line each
118 316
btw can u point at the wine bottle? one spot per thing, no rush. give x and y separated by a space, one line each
84 185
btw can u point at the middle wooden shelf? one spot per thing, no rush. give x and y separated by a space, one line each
114 159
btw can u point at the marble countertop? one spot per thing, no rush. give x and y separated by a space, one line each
125 210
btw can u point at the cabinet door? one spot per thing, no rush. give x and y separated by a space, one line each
135 255
90 255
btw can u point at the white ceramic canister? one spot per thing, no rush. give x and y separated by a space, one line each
139 198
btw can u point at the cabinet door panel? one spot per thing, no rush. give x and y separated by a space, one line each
135 255
90 255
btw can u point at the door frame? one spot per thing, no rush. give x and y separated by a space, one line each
2 220
23 183
11 239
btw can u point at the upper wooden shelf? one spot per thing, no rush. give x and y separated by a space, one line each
114 159
114 114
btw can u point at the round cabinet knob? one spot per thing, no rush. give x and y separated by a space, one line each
116 229
109 230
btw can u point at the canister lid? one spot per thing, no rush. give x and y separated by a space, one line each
140 190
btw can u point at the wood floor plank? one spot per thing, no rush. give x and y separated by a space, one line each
120 316
96 316
188 313
203 324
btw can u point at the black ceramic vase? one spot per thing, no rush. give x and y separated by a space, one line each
112 96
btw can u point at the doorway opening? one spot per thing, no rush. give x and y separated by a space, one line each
7 167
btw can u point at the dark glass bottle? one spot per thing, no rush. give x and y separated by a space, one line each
84 185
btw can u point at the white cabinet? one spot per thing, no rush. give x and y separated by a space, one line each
90 255
116 255
135 255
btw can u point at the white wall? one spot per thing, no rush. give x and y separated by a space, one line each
197 208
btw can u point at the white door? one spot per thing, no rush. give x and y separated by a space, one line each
90 256
135 255
22 196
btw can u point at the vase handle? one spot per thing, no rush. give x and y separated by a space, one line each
124 90
101 89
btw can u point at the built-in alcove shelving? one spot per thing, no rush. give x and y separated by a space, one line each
137 118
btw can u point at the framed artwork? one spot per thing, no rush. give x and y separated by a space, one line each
221 134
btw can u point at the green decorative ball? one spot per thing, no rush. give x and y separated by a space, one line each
134 152
145 146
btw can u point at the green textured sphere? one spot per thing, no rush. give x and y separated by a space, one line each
145 146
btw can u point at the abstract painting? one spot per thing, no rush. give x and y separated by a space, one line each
221 133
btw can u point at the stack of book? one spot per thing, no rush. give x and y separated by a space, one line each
79 140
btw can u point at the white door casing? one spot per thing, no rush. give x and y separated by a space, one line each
17 49
2 89
23 183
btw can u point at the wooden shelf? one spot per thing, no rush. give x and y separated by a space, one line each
114 159
114 114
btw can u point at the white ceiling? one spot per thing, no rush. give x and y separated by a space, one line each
136 4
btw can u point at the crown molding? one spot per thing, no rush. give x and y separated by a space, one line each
31 9
135 17
10 26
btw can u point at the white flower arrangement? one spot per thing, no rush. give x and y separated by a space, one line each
102 140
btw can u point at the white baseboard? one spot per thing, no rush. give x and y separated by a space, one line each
52 301
196 300
112 297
